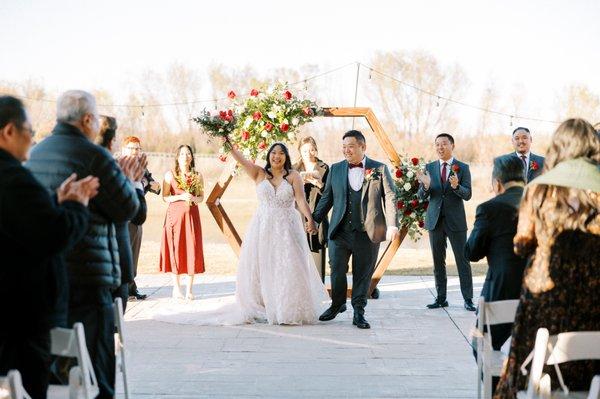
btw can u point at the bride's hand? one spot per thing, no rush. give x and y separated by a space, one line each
311 227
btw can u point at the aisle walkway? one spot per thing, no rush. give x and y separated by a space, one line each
410 352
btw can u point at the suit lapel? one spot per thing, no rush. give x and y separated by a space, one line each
365 186
436 177
344 175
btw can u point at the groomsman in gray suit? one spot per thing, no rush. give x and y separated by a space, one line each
361 192
532 163
446 183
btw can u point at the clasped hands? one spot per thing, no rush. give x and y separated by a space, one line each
311 227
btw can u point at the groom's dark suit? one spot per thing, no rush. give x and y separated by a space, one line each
358 225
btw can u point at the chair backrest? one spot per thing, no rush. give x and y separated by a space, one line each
595 388
556 349
11 386
71 343
496 312
120 344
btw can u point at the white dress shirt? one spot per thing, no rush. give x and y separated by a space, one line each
527 156
448 167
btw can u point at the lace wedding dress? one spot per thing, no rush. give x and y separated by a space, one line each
277 281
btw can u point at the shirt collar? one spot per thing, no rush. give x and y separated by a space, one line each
449 162
528 155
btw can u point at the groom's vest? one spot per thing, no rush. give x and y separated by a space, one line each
352 220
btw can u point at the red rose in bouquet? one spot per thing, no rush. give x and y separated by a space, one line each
415 161
257 116
262 145
307 111
245 135
284 127
287 95
414 203
268 126
254 92
421 223
399 173
231 94
400 204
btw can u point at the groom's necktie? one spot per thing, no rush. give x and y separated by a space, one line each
524 159
444 172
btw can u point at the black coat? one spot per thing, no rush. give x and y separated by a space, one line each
94 261
492 237
34 230
122 230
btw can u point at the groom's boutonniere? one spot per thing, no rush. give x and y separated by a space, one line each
455 169
534 166
371 174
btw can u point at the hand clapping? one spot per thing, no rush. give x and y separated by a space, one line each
79 191
424 178
133 166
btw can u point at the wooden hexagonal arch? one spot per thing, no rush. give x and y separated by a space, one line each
230 232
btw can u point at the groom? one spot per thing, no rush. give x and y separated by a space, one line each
361 192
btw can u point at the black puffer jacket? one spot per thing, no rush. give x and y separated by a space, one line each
94 261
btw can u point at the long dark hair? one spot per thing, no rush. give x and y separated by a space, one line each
192 164
108 131
287 165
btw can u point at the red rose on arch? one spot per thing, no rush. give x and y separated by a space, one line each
414 203
223 158
268 126
222 115
425 205
534 166
231 94
287 95
245 135
254 92
415 161
284 127
455 168
421 223
262 145
407 212
400 204
257 116
399 173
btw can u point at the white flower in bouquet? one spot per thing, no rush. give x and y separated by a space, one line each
272 115
247 122
221 130
246 152
410 174
406 186
276 108
295 121
264 134
291 137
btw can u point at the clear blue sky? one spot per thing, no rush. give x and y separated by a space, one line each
543 45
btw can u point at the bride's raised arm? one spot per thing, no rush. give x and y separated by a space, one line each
254 171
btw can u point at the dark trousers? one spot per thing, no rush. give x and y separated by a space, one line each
122 292
135 237
364 256
458 239
93 307
30 354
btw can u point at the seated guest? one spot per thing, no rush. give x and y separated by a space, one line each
559 227
132 146
34 229
106 138
492 237
93 263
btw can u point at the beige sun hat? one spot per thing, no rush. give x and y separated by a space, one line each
579 173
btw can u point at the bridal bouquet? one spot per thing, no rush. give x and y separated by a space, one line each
190 183
217 124
411 209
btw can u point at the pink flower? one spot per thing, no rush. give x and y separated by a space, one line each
257 116
284 127
254 92
287 95
231 94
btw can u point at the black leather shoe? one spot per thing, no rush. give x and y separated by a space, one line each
469 305
330 313
438 304
360 322
375 293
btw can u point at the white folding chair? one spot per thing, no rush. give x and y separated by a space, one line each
11 386
82 379
120 344
490 361
557 349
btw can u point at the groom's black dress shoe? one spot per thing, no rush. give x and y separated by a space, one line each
360 322
469 305
438 304
330 313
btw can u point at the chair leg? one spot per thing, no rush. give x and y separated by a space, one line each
487 385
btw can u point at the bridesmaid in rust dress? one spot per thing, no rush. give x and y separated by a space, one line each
181 248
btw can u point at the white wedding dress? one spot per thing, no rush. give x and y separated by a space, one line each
277 281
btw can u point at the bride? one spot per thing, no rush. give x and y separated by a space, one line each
277 280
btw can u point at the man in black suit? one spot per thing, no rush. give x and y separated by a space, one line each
34 229
492 237
531 163
446 183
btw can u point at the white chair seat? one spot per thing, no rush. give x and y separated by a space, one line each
58 391
556 395
494 361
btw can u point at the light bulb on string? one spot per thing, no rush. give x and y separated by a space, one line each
511 120
437 102
370 72
142 110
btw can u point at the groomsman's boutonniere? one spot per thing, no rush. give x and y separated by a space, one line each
455 168
534 166
371 174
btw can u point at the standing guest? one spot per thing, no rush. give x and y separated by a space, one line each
447 184
133 147
532 164
492 237
106 138
181 248
34 229
314 175
559 228
93 266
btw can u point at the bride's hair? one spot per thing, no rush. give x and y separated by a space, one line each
287 165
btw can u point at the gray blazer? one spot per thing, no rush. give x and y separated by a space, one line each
538 159
378 199
444 197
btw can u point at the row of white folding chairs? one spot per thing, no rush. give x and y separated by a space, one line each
491 362
82 379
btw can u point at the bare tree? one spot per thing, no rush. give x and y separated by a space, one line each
578 100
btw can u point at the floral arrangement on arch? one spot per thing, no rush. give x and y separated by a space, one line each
411 209
265 117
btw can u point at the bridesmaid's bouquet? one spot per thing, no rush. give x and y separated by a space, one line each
411 209
190 183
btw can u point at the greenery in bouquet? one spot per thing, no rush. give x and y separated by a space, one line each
217 124
268 116
190 183
411 209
